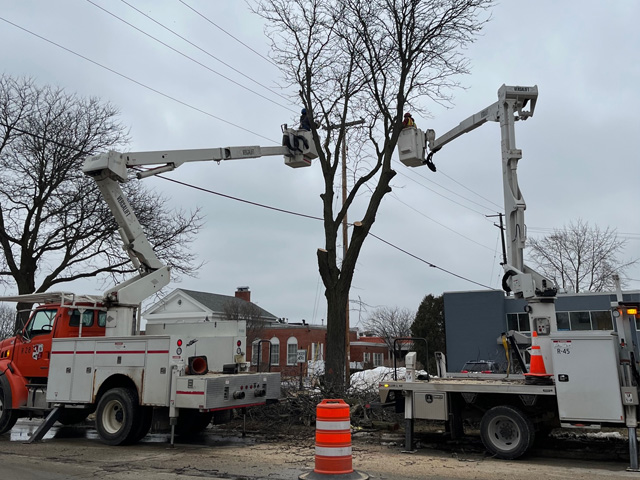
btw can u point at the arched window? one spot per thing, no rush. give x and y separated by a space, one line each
275 351
292 350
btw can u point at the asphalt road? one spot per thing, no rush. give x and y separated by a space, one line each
69 453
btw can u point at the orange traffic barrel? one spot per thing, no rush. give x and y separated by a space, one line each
333 443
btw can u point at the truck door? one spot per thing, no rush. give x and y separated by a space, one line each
33 347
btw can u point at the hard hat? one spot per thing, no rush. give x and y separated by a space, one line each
407 114
303 111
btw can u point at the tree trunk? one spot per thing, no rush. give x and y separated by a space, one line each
335 362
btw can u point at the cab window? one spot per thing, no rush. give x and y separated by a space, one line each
41 323
102 318
75 315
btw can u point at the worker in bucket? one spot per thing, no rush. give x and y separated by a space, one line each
408 121
306 121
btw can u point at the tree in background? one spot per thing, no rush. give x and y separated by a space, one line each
7 321
54 225
580 258
238 309
429 324
370 60
390 323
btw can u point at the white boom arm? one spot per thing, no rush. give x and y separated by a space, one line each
522 280
111 169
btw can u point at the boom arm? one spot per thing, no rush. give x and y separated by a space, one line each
111 169
522 280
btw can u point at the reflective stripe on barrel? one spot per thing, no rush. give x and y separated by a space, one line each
333 438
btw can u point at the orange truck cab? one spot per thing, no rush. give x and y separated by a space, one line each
24 359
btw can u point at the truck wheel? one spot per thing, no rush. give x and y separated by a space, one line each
143 420
116 416
8 417
192 422
506 432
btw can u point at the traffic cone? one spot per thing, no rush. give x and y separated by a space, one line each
537 372
333 444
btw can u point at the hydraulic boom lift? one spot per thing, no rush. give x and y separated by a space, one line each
80 354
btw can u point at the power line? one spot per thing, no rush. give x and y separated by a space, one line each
441 224
467 188
229 34
446 189
185 104
187 56
204 51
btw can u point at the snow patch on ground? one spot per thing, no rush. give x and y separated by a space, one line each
368 380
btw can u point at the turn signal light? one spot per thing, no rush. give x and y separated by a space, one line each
632 311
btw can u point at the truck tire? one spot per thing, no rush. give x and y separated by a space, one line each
143 420
192 422
116 416
506 432
8 416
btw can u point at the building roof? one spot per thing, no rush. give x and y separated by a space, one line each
217 302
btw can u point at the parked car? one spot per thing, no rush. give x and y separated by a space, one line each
480 366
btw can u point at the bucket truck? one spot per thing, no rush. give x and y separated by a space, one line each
80 354
512 409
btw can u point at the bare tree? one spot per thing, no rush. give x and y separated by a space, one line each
54 225
390 323
580 258
238 309
368 59
7 320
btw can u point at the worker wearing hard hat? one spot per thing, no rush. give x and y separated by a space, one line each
408 121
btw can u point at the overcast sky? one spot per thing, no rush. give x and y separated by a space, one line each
580 149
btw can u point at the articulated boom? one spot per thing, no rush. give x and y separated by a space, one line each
111 169
522 280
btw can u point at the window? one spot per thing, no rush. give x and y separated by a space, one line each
562 319
41 323
602 320
292 351
102 319
378 359
518 322
255 346
366 357
87 318
580 320
275 351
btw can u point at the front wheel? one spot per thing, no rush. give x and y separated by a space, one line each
506 432
8 416
115 416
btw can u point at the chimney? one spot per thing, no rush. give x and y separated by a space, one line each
243 293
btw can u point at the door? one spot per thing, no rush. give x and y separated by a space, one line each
33 347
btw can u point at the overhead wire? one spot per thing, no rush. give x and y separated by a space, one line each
154 90
204 51
229 34
188 57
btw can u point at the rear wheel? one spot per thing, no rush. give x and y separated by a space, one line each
8 416
143 420
116 416
506 432
192 422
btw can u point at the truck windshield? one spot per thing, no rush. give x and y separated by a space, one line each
41 323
